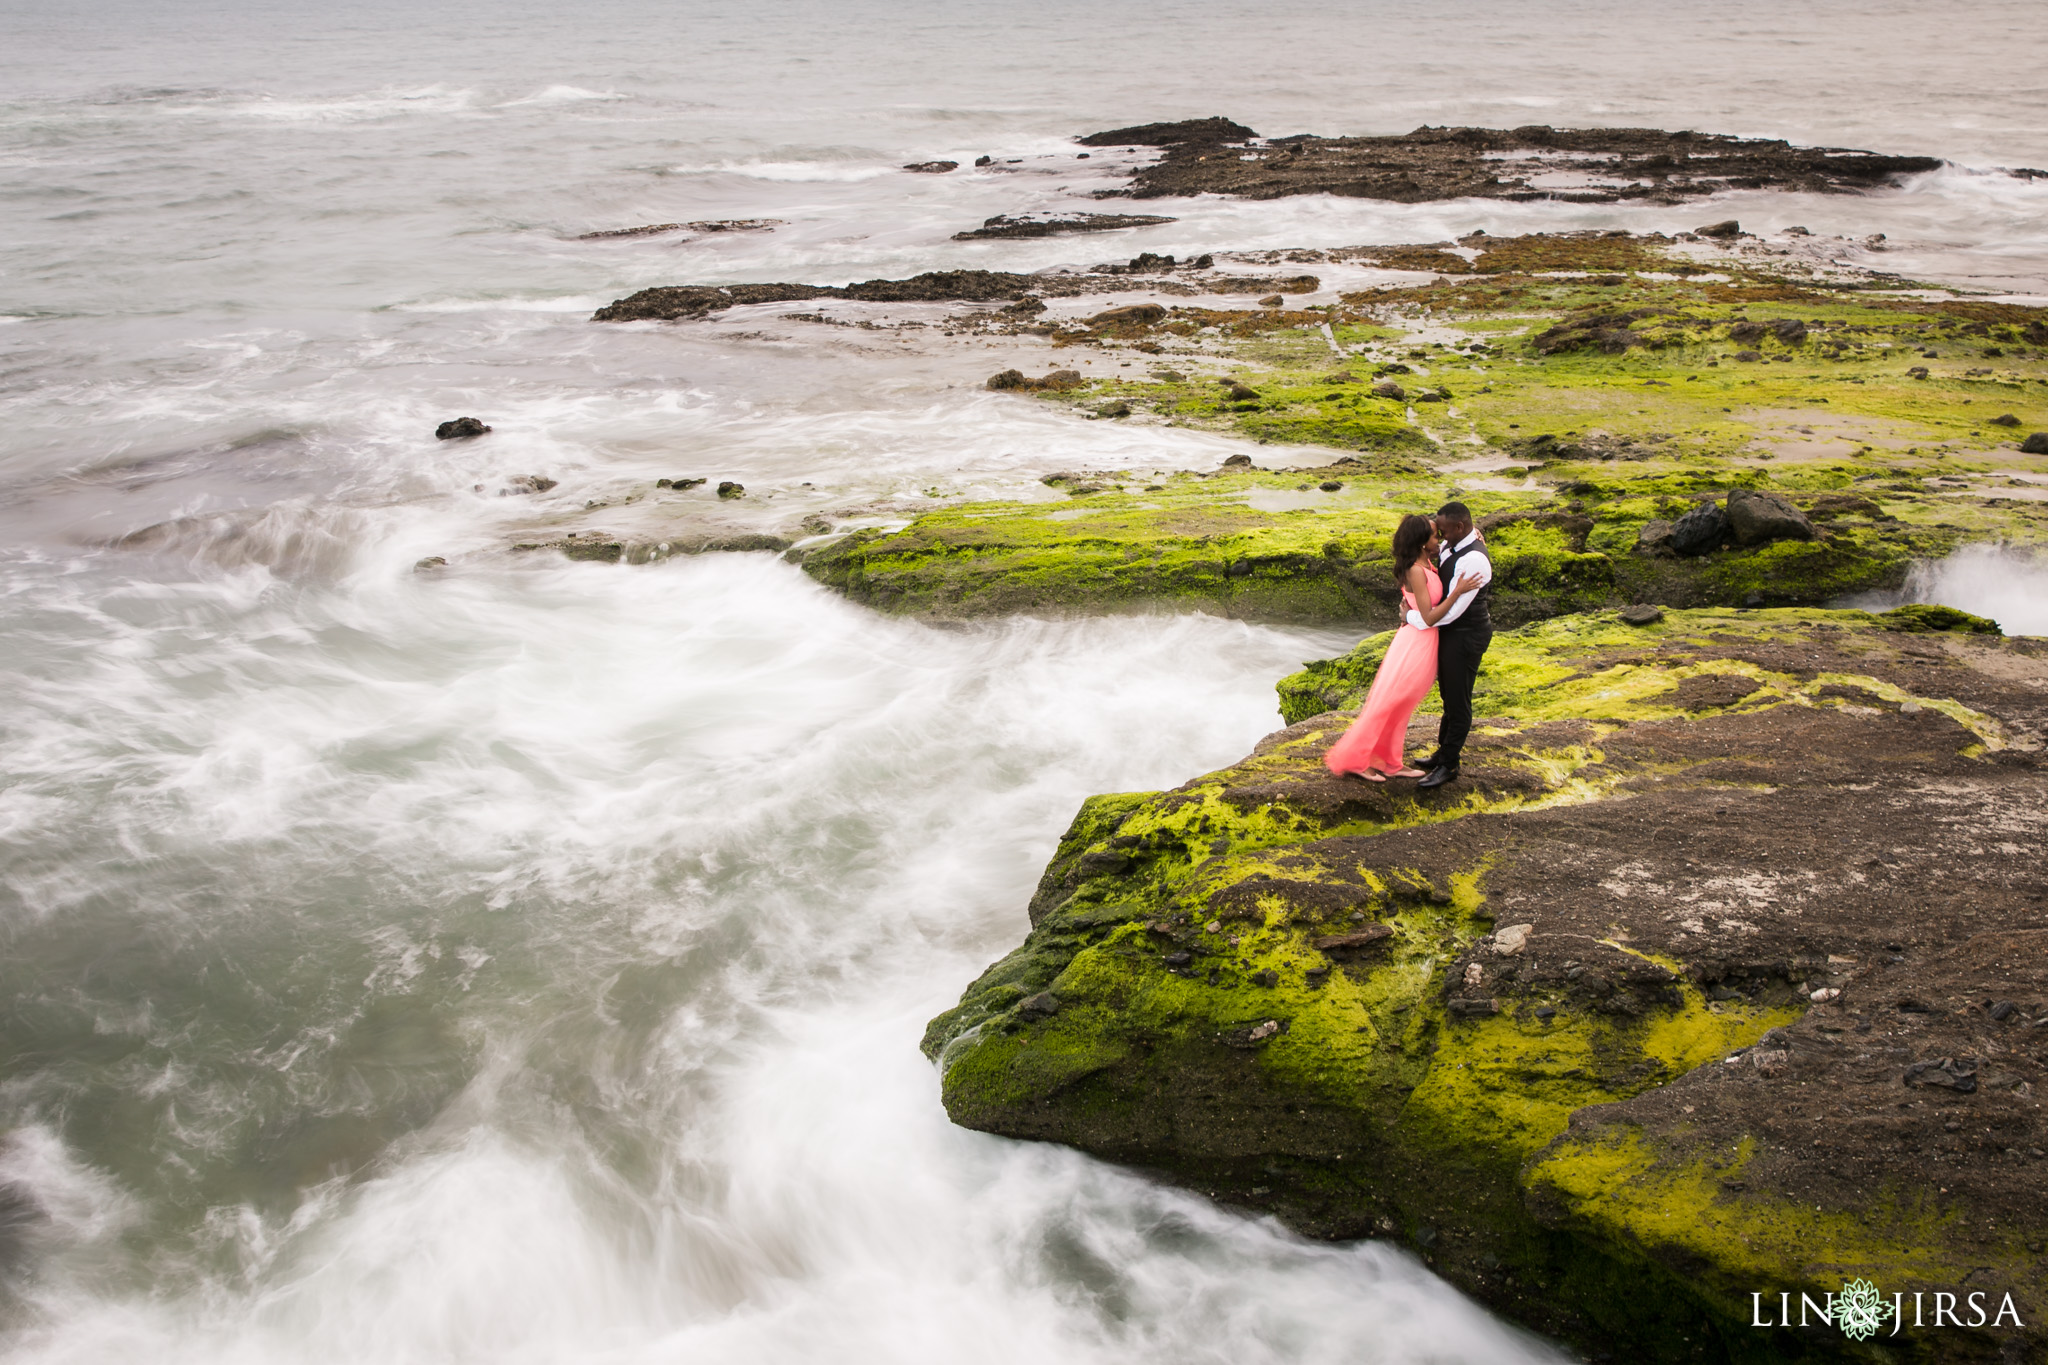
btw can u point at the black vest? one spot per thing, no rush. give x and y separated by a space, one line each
1475 616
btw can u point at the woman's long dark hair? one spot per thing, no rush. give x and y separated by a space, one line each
1409 538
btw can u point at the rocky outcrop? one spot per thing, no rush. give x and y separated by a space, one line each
460 428
1213 542
1604 165
1186 132
669 302
1758 518
660 229
1652 1012
1059 381
1058 225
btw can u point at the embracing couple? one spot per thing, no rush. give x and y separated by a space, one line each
1445 637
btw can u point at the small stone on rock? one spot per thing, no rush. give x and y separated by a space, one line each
1642 614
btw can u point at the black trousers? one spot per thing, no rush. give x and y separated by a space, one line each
1458 653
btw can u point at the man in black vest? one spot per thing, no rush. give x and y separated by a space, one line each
1461 638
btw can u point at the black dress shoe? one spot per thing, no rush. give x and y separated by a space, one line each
1436 777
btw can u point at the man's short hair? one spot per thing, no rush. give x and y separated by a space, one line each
1455 511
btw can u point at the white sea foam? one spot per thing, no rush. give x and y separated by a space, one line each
527 963
564 94
2007 584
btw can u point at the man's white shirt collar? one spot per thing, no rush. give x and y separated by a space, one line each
1470 536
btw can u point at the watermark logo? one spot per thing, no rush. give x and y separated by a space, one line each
1861 1310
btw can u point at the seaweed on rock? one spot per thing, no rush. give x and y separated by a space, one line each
1607 1032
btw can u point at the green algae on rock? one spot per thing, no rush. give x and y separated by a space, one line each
1611 1032
1583 414
1281 546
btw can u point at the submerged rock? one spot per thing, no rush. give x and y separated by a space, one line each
932 167
461 428
1731 1042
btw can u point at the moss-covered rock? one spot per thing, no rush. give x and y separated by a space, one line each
1610 1032
1279 546
1578 411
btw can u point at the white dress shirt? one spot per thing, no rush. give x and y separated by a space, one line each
1474 563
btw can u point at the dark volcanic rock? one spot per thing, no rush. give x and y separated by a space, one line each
1204 131
1609 165
1059 381
974 286
2036 444
932 167
657 229
1139 314
459 429
1700 530
1055 225
1608 1061
1791 331
1759 518
668 302
1726 228
1608 333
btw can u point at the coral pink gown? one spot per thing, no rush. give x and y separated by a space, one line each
1377 737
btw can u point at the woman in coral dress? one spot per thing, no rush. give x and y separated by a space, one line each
1371 748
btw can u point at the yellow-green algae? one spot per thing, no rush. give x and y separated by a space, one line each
1220 543
1362 1100
1539 671
1673 1205
1613 400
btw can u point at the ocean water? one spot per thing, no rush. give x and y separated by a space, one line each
526 962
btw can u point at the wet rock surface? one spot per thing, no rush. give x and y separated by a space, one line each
662 229
1652 1010
1058 225
1200 131
1603 165
667 302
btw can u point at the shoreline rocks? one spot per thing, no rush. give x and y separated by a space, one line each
1652 1011
1608 165
1004 226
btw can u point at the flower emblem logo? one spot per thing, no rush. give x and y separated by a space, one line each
1860 1310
